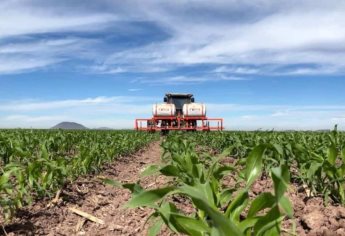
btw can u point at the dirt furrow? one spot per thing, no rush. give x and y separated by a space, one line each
90 195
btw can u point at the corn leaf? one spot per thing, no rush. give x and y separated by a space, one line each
263 201
150 170
148 198
224 227
254 164
281 178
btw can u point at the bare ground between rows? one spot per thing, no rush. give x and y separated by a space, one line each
312 217
90 195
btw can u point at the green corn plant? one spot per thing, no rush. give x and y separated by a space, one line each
217 211
323 169
36 163
11 195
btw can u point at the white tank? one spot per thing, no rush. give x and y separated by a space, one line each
194 109
163 109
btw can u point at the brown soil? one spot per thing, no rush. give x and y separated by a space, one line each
312 217
90 195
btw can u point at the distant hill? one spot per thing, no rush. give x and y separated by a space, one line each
69 125
103 128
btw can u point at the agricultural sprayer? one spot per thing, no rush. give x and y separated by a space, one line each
179 112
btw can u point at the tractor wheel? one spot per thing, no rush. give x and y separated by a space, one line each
150 126
164 132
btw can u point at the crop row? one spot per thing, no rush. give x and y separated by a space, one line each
313 159
36 163
316 159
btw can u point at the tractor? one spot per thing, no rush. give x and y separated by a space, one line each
178 112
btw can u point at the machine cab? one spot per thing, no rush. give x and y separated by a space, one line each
179 112
178 99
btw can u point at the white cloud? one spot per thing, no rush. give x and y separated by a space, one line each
35 54
93 112
103 69
42 45
120 112
237 70
277 33
227 107
339 119
134 89
34 119
22 63
279 70
20 23
251 117
296 121
129 101
23 18
262 32
176 80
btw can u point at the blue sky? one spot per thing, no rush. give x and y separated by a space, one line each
258 64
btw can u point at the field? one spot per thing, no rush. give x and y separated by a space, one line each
211 183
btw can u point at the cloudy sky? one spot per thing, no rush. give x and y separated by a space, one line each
259 64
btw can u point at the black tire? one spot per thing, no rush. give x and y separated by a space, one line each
164 132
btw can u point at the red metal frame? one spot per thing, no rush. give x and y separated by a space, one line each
179 121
